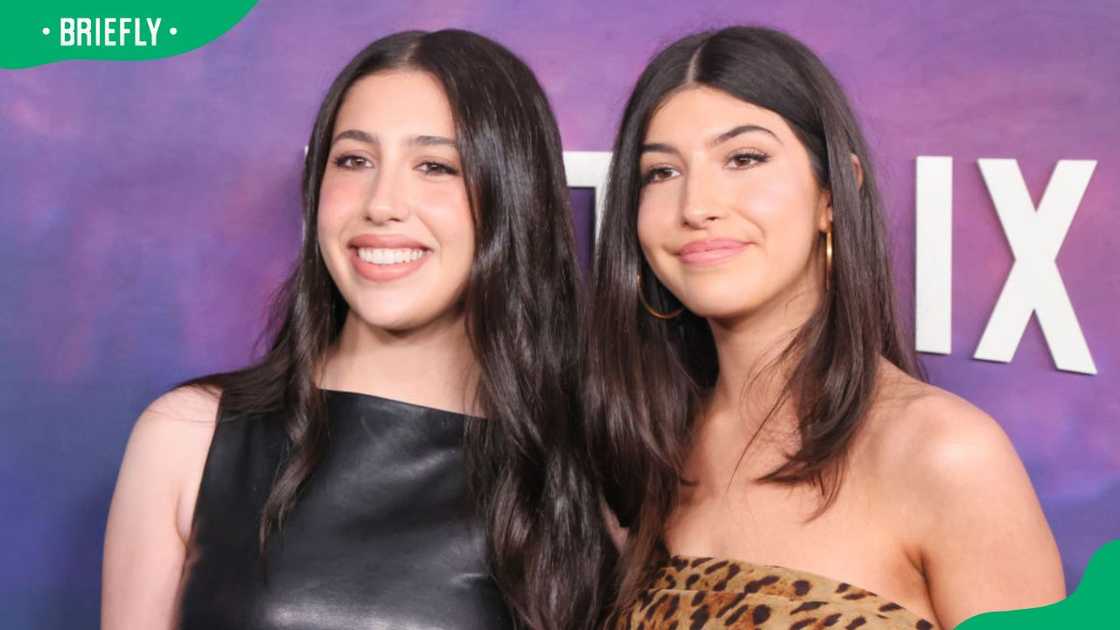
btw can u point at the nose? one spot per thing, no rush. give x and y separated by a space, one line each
386 202
700 205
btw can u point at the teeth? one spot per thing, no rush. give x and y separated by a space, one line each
378 256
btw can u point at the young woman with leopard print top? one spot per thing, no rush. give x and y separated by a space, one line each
758 419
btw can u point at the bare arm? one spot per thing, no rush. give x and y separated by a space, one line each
984 541
149 519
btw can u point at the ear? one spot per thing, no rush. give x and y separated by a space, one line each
857 166
825 211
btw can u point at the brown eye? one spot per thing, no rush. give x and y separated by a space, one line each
436 168
657 174
351 162
746 159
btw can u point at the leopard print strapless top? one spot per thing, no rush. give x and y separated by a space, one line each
709 593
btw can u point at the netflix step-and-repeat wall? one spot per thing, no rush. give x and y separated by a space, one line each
148 209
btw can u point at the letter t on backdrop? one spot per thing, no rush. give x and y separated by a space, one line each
588 169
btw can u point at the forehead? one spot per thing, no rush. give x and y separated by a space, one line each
696 114
405 102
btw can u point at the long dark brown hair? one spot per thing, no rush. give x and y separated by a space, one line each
525 461
647 377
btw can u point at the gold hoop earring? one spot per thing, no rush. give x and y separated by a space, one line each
828 257
650 309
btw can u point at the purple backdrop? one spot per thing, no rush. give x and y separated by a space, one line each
148 209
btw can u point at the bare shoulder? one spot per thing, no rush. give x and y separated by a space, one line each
150 514
929 438
191 405
167 451
960 501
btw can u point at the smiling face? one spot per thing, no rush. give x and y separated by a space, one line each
730 211
395 225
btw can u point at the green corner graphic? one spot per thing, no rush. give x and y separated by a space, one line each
33 34
1087 607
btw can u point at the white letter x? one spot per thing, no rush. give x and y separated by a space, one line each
1034 284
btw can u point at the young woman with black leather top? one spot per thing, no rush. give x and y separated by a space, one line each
403 456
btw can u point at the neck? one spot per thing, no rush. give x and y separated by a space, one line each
433 365
749 347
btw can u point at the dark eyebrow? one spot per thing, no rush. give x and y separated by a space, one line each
741 129
423 141
431 141
658 147
356 134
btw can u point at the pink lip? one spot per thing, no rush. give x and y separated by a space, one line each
385 273
710 251
387 241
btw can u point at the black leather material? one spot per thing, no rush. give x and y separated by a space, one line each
381 537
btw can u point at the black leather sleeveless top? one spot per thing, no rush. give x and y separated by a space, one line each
382 535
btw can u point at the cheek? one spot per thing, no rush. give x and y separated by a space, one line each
327 221
448 216
785 213
328 228
655 221
335 200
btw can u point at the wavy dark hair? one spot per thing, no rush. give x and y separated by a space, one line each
647 377
525 462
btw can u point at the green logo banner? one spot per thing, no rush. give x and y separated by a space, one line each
33 33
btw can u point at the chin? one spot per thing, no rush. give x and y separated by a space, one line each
724 298
719 310
392 319
400 316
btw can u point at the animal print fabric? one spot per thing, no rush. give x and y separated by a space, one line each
708 593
